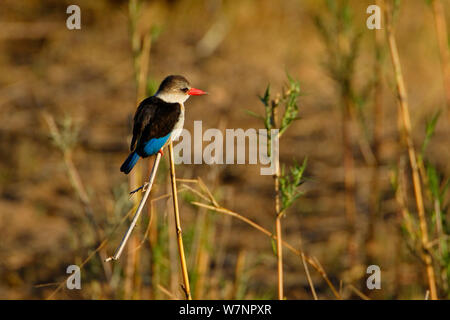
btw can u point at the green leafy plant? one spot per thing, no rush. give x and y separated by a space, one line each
290 183
285 185
437 186
288 100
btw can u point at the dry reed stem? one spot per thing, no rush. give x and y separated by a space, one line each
400 197
196 192
442 37
358 292
376 144
144 62
441 237
179 234
203 262
131 290
140 45
220 253
187 180
238 272
279 257
406 120
310 282
167 292
172 246
349 175
278 212
199 259
153 242
279 239
205 189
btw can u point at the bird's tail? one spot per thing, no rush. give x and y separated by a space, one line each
129 163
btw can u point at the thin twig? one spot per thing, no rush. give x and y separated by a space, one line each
206 190
138 212
358 292
406 119
279 239
196 192
238 271
374 199
187 180
167 292
308 276
278 211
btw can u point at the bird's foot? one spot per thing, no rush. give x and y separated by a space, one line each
143 188
161 152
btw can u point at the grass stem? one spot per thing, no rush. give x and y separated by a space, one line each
406 121
179 233
138 212
444 51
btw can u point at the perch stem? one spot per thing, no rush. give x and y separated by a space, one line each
119 250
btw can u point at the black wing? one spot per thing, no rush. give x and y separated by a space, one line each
154 118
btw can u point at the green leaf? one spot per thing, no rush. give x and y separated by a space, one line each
429 131
155 32
253 114
433 181
290 183
290 104
274 246
266 97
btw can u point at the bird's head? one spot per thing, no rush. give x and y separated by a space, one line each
176 89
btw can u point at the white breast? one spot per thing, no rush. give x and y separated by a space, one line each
178 126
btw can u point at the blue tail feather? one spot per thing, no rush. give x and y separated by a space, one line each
129 163
149 148
152 146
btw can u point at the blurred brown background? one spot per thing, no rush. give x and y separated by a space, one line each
85 79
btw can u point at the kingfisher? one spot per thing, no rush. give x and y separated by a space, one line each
159 119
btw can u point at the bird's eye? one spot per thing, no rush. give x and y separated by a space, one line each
184 90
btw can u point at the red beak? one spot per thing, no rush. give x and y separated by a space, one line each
195 92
